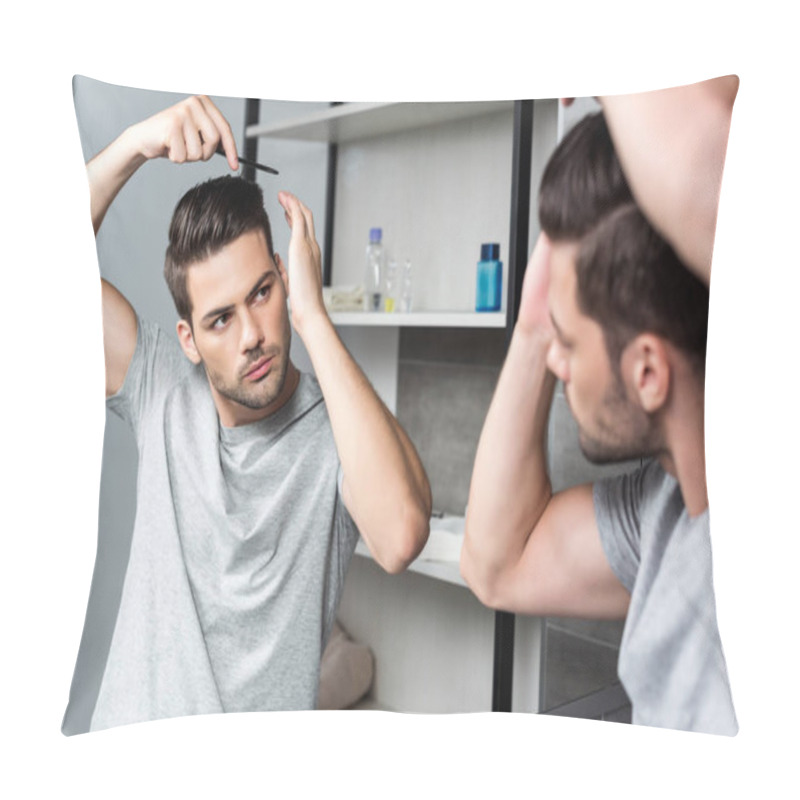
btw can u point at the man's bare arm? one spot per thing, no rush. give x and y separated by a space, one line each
525 549
188 131
385 486
671 144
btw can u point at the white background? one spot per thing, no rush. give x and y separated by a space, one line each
52 386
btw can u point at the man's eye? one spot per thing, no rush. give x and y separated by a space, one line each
263 292
220 322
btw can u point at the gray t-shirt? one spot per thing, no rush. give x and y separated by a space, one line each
671 661
240 547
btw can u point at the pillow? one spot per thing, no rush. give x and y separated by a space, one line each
131 244
346 671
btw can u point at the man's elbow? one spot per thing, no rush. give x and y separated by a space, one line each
407 539
482 582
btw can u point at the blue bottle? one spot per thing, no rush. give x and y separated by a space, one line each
490 279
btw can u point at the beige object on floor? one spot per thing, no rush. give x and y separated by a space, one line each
346 671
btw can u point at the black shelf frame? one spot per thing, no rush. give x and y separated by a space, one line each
521 165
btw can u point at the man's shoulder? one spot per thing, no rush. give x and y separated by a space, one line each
308 394
158 364
634 485
655 481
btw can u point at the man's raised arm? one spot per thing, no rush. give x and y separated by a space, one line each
188 131
385 486
526 550
671 144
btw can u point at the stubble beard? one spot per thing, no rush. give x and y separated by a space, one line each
260 394
624 431
265 392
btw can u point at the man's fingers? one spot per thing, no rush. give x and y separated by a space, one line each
309 218
223 129
294 215
193 140
209 137
301 222
175 144
298 216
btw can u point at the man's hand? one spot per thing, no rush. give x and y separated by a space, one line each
188 131
385 487
533 309
305 270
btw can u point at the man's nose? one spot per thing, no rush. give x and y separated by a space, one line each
252 335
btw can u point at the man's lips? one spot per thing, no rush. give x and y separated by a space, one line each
259 369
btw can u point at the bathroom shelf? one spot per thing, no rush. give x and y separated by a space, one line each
447 571
421 319
349 122
440 557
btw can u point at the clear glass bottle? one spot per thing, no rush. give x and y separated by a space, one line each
406 288
390 287
373 274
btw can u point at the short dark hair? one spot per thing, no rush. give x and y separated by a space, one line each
208 217
582 182
630 281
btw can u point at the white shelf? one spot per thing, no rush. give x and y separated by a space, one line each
351 121
440 557
421 319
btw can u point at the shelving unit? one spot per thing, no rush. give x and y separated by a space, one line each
440 557
350 122
421 319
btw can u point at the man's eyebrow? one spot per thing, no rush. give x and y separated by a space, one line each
259 283
218 312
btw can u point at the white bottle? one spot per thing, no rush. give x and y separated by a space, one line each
373 274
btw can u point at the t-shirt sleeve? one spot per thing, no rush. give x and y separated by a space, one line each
157 364
617 506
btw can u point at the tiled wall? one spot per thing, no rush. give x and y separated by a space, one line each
446 378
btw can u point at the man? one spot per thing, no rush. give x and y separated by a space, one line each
254 479
608 308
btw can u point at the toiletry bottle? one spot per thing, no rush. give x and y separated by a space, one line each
490 279
406 287
373 274
390 293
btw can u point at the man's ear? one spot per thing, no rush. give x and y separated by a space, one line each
647 371
186 338
282 272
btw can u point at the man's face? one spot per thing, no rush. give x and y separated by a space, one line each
240 328
613 427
